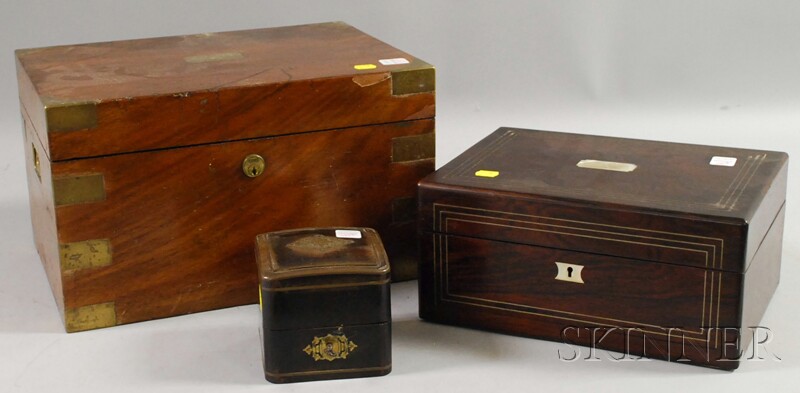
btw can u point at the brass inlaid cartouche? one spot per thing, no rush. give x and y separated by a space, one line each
330 347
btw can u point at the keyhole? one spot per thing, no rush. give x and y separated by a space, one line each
253 165
569 272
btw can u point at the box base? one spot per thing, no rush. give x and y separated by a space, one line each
300 355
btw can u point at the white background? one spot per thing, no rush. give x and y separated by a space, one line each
710 72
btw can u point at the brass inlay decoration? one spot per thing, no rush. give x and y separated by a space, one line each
253 165
710 307
71 117
85 254
226 56
330 347
404 209
569 272
414 147
413 81
606 165
94 316
37 166
70 190
735 190
317 245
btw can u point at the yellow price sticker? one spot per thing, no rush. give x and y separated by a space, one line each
362 67
487 173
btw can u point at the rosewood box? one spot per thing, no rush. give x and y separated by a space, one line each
152 164
653 249
325 304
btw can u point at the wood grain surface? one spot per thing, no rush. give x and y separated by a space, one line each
188 90
182 222
135 152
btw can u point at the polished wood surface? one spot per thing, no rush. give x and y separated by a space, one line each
668 269
181 91
761 280
673 177
525 280
673 186
182 222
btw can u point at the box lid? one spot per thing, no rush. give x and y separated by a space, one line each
318 277
306 258
116 97
623 183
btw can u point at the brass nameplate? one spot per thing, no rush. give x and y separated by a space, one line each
85 254
607 165
414 147
70 190
214 57
330 347
569 272
94 316
413 81
71 117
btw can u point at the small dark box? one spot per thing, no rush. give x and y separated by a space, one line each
646 248
325 304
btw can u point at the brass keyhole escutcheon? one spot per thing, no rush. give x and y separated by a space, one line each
253 165
36 165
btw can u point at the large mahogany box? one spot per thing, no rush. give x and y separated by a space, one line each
644 248
325 304
153 164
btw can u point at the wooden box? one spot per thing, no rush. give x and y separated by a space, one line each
154 163
325 304
646 248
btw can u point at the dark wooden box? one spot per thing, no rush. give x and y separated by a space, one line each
152 164
325 304
647 248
